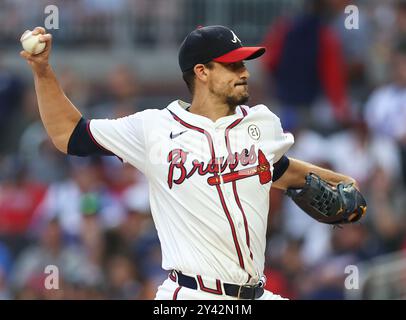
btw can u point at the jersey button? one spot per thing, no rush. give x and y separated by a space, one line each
239 225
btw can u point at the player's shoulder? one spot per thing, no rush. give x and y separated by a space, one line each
174 106
260 110
150 114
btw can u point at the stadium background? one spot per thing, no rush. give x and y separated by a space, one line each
90 216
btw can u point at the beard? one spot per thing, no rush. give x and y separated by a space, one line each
234 101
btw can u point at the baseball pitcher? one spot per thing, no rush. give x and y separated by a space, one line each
210 165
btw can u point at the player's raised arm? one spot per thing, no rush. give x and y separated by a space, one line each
58 114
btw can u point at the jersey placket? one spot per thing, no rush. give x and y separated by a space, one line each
230 197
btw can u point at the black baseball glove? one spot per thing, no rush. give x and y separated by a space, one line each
340 205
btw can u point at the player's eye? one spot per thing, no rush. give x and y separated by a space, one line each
236 65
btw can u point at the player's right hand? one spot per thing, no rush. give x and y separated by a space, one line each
40 62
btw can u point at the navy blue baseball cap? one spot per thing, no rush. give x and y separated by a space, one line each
214 43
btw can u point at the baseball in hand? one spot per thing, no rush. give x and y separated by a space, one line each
31 43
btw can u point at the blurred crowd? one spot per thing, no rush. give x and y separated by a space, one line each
342 93
88 216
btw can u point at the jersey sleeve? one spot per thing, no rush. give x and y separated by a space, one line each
123 136
280 141
274 141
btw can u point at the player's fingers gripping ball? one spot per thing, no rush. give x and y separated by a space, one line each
31 43
340 205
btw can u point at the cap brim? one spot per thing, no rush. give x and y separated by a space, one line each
243 53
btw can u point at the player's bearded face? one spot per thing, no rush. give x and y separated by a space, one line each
229 82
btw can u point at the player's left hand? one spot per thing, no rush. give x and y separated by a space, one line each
332 205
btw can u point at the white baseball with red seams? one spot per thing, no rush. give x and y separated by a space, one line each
209 184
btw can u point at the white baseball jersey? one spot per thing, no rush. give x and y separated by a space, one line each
209 183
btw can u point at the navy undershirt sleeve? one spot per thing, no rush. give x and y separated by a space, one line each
280 167
81 142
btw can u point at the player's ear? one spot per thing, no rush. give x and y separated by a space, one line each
200 72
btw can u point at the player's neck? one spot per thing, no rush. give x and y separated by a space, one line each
210 108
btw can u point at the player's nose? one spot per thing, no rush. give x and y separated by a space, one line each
245 74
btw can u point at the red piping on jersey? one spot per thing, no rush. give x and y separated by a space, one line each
213 156
172 277
210 290
175 294
187 125
247 234
96 143
237 198
237 246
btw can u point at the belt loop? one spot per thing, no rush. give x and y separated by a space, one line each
262 281
251 290
173 276
239 292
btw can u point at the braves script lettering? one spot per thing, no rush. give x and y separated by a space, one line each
177 159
